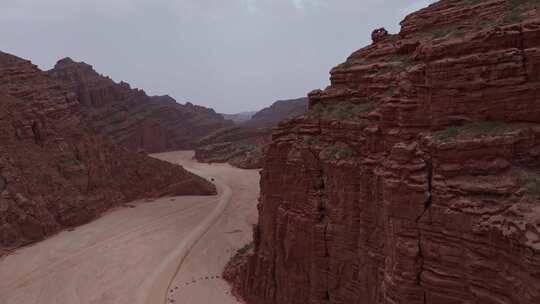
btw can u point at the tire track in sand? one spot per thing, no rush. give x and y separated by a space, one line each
154 289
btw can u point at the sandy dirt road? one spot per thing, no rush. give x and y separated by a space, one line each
140 254
198 280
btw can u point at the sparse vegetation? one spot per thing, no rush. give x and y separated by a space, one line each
380 71
530 181
393 37
311 140
516 4
390 91
440 33
447 133
448 31
245 249
339 110
405 60
70 162
517 8
513 16
483 128
337 151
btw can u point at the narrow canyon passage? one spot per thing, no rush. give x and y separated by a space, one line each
125 256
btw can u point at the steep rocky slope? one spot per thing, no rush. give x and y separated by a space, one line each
414 177
133 119
54 171
280 110
243 146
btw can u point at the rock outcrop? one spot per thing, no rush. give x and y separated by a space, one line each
415 176
133 119
379 34
55 172
243 146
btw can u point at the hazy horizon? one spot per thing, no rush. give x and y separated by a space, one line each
233 57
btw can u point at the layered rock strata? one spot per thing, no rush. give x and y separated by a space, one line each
55 172
415 176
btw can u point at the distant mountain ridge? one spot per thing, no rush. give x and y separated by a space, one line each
240 117
277 112
244 145
133 119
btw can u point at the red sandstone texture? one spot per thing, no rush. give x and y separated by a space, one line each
243 146
54 171
414 177
133 119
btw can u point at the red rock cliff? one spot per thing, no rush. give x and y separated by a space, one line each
54 171
414 177
133 119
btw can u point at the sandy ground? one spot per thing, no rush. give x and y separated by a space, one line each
164 251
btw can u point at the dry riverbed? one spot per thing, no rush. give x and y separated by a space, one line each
170 250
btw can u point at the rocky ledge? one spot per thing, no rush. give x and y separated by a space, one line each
415 176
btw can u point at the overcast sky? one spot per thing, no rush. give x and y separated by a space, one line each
231 55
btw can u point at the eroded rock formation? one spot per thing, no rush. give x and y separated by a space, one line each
133 119
414 177
54 171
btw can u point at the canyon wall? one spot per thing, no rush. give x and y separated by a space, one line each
55 172
133 119
415 176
